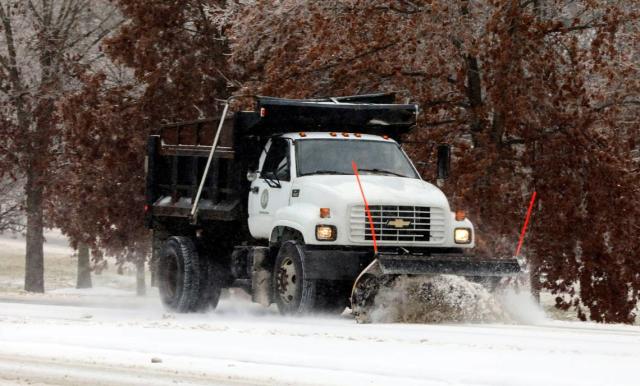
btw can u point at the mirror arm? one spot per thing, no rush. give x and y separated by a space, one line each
444 162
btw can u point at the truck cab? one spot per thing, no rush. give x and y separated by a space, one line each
306 185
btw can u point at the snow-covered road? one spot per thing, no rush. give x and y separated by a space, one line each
75 343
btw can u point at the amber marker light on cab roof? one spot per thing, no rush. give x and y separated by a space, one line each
325 212
303 134
460 215
358 135
332 134
345 134
385 136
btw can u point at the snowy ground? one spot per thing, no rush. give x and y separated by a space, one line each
108 336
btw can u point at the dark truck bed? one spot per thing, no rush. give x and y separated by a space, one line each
177 153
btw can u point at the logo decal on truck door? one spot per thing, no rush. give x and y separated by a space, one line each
264 199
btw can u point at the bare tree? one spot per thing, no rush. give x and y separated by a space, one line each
11 214
41 43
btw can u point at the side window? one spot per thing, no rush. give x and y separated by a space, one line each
277 161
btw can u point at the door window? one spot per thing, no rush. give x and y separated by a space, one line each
277 164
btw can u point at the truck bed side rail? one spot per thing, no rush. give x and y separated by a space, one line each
194 138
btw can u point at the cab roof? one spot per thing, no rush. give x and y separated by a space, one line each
303 135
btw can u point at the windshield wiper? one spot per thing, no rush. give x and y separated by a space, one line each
326 172
382 171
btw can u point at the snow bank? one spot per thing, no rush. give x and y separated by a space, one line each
55 243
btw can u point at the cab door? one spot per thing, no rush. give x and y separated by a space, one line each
272 189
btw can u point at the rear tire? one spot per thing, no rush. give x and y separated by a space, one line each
180 276
294 294
211 283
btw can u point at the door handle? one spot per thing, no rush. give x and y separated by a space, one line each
255 189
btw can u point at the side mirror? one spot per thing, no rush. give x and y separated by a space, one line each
252 175
444 161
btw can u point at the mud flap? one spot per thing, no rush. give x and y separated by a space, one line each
261 277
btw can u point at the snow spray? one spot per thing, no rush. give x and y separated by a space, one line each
517 301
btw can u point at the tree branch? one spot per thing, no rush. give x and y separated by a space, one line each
35 12
617 103
440 123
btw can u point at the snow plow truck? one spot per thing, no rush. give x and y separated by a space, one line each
309 204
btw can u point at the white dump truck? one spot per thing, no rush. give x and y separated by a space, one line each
308 204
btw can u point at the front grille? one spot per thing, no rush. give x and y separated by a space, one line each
398 224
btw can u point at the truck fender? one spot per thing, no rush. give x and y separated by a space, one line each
300 218
285 231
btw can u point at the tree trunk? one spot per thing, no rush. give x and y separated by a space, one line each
474 94
84 267
140 282
154 273
34 271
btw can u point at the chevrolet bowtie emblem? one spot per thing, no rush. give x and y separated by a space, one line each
398 223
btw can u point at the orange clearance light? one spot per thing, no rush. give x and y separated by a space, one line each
303 134
460 215
385 136
263 112
345 134
325 212
358 135
332 134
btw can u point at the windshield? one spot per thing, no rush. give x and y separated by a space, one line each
332 156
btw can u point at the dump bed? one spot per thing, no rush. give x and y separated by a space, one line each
176 158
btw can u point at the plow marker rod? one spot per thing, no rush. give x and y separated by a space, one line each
366 207
526 223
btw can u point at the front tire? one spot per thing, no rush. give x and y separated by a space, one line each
294 294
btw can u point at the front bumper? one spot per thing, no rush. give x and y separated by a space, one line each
334 264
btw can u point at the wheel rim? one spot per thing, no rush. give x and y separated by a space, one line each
287 280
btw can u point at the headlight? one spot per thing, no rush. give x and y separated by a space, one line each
326 232
462 235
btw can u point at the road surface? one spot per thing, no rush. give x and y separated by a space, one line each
129 341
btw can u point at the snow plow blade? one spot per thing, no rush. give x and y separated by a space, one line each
446 265
387 267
